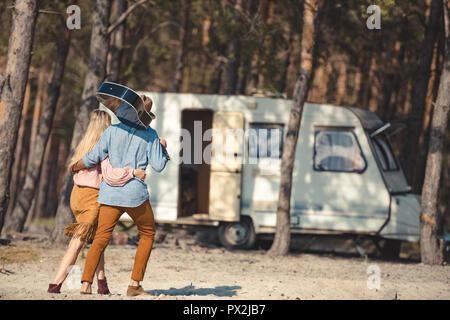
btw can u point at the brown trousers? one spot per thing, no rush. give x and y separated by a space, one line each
107 220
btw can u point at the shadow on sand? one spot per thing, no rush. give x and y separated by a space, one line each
220 291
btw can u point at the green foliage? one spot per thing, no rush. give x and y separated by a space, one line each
152 40
266 32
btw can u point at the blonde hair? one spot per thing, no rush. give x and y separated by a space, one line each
99 121
112 103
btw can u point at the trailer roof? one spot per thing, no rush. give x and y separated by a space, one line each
369 120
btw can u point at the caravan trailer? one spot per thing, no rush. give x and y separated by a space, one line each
346 179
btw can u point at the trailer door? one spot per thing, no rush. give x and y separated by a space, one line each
226 166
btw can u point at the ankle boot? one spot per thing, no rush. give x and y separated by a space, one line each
135 291
54 288
102 286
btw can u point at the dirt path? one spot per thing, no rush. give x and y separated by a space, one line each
189 271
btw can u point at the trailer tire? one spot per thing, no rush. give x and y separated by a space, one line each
237 235
391 249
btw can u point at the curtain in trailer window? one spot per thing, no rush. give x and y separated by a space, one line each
265 141
337 150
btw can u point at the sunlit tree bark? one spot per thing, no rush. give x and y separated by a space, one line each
432 248
94 77
39 142
12 90
419 94
282 239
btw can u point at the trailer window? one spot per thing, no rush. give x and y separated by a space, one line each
384 153
337 150
265 140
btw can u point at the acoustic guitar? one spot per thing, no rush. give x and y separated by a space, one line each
111 95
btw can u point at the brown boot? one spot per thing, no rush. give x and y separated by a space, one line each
54 288
102 286
135 291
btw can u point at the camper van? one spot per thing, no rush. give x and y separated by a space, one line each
346 179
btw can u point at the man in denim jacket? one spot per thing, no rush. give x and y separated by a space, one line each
127 144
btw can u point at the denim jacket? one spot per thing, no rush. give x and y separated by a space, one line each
127 145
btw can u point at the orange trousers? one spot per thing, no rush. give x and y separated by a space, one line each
107 220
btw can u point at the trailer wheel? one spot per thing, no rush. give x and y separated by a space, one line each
237 235
391 249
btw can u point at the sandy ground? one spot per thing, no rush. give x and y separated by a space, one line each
183 269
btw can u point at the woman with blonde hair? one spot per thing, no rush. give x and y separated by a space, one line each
83 200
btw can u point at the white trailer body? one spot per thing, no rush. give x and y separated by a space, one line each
346 179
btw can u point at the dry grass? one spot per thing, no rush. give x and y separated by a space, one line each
18 254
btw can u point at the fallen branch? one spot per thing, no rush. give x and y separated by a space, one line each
4 271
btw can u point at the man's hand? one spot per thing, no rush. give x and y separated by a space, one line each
79 165
163 142
139 173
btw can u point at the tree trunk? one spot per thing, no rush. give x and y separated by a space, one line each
37 152
232 66
45 186
341 82
47 208
332 76
282 239
233 53
18 153
363 70
98 55
392 82
370 84
242 80
432 92
254 73
12 90
287 62
206 25
357 86
116 43
61 153
419 93
431 246
216 77
183 40
245 56
37 109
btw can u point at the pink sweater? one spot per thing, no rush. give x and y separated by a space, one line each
93 177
